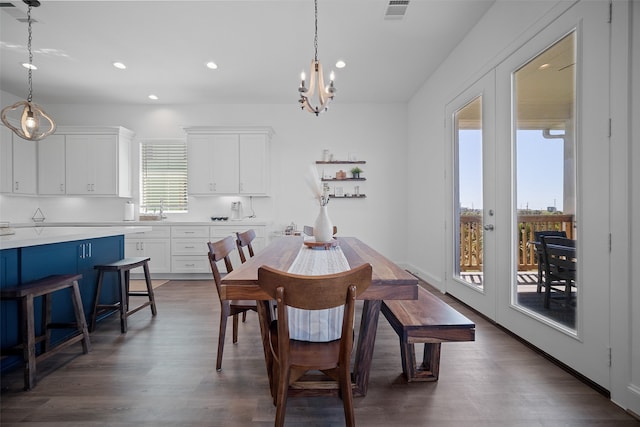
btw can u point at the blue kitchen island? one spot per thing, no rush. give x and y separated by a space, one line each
36 252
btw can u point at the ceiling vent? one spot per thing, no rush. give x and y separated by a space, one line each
396 9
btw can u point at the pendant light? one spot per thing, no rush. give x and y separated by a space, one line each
325 94
33 117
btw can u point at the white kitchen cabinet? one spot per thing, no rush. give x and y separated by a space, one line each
6 160
213 164
228 161
98 161
189 249
51 165
155 244
18 165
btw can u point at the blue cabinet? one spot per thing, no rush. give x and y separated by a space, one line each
35 262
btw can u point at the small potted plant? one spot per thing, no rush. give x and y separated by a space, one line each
355 172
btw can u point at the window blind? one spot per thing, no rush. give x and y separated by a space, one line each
163 174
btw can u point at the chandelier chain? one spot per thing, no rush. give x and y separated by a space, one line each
30 97
315 40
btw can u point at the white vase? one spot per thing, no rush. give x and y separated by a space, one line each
323 228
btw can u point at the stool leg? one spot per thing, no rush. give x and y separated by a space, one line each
29 342
124 300
46 319
96 302
81 322
152 298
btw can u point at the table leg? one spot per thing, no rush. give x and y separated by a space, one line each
265 316
364 349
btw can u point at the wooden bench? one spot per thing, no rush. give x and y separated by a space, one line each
427 320
29 341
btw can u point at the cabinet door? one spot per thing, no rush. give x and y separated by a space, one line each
158 250
225 163
92 164
254 178
51 165
24 166
200 171
6 160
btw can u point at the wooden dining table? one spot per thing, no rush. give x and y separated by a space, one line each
389 281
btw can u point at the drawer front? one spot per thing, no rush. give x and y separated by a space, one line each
189 246
190 264
190 231
155 233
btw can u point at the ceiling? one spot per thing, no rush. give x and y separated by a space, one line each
260 47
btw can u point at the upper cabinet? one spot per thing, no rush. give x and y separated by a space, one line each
228 161
51 165
18 164
95 161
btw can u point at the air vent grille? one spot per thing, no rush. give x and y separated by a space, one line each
396 9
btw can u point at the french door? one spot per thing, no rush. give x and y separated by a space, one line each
543 116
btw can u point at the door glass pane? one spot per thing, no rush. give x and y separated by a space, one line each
468 194
544 95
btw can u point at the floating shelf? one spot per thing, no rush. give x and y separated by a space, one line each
353 196
345 179
341 162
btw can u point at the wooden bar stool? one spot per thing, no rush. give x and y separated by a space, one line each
123 268
45 288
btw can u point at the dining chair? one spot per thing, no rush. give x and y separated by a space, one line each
219 251
560 265
293 358
244 239
537 243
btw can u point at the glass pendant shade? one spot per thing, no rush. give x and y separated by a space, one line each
34 125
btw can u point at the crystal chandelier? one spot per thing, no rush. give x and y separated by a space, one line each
32 115
325 93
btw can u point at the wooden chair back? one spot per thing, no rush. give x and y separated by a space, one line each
244 240
293 358
218 251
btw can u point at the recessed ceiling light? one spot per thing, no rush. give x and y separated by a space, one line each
29 66
341 64
119 65
544 66
154 97
212 65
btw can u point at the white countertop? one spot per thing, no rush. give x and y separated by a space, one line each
242 222
33 236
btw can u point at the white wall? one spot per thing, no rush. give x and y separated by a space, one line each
377 133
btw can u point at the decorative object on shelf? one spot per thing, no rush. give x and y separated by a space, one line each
325 94
341 174
33 116
355 172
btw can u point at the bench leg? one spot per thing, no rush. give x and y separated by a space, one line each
430 367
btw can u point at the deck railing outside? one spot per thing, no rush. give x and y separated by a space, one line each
471 238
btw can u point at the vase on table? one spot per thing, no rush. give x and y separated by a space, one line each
323 227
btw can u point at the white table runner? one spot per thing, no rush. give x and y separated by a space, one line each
317 325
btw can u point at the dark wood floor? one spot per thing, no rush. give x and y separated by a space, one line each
162 373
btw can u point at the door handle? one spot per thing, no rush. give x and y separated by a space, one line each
488 227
